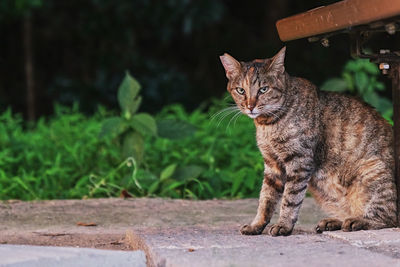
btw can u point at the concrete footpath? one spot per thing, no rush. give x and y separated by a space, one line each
177 233
29 256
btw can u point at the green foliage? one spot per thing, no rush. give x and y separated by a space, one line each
54 158
213 163
174 129
73 156
221 160
62 157
130 128
360 77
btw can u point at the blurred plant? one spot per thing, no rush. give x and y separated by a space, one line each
62 157
130 127
231 161
359 77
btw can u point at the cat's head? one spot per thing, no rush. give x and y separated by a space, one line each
259 86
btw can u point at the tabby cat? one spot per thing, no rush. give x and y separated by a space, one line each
337 147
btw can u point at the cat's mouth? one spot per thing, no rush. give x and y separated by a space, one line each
253 115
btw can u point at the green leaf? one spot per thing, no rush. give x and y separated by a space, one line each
167 172
384 106
112 127
380 86
188 172
371 67
352 65
388 116
144 123
128 98
171 187
236 184
153 187
133 146
173 129
349 81
334 85
361 80
190 194
135 105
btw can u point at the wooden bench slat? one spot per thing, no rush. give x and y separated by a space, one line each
336 17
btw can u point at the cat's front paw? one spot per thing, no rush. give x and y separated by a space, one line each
251 230
280 229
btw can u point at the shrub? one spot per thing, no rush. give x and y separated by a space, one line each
360 77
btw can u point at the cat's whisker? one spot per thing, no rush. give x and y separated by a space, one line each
218 113
227 97
235 115
272 110
234 123
224 116
273 114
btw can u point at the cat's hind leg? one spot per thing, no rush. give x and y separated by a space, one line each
380 209
328 224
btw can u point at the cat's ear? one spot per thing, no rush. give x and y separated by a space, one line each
231 65
278 62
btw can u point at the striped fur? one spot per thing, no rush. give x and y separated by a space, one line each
337 147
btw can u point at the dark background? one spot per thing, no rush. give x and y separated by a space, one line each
80 50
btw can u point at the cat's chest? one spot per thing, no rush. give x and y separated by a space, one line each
277 141
265 136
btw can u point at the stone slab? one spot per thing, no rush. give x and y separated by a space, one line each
226 247
191 233
54 222
35 256
385 241
116 213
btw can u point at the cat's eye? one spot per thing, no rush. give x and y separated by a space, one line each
263 90
240 91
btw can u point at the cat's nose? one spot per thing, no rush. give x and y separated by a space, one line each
250 107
